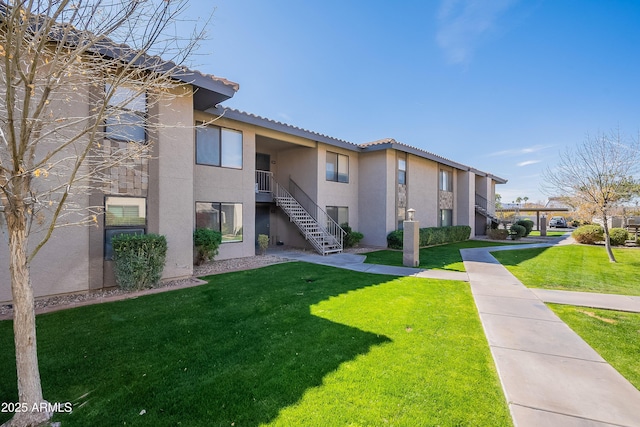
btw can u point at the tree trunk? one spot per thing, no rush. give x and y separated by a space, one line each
607 239
24 328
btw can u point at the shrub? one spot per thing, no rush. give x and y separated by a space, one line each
527 224
139 259
517 231
588 234
394 239
263 243
438 235
352 238
430 236
207 242
617 236
496 234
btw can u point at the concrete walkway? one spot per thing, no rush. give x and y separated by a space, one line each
590 299
356 263
550 376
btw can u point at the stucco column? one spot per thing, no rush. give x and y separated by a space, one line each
411 241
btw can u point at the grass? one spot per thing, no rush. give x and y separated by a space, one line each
289 344
613 334
442 257
536 233
575 268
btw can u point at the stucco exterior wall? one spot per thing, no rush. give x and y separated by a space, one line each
301 165
483 187
62 265
422 189
465 200
376 196
170 201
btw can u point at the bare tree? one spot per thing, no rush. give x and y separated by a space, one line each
597 175
71 72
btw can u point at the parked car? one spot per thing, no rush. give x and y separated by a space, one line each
558 221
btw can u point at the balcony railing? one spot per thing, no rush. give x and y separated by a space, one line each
263 181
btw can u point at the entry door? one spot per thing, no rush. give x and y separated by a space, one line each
263 162
263 211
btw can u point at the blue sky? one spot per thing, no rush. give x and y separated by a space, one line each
500 85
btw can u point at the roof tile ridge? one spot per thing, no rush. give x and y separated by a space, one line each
277 122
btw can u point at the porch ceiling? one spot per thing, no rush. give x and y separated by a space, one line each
273 144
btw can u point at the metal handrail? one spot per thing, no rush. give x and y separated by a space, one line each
332 227
303 198
266 183
488 206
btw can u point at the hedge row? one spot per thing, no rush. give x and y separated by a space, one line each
432 236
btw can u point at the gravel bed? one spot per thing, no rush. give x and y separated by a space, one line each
207 269
214 267
236 264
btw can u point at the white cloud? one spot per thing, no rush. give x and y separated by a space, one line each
528 162
462 22
520 151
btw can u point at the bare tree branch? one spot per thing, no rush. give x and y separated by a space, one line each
75 78
598 175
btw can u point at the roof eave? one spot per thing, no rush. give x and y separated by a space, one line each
255 120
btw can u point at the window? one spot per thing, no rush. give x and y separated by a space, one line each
126 115
223 217
216 146
446 217
123 215
446 180
339 214
337 167
402 171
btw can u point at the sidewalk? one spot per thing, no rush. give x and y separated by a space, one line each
551 377
356 263
590 299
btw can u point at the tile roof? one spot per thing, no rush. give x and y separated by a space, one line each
243 116
255 119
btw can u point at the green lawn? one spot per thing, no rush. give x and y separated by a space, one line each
442 257
535 233
613 334
289 344
575 268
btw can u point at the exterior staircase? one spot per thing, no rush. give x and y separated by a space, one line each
318 228
486 208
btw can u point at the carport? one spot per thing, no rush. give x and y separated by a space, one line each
536 210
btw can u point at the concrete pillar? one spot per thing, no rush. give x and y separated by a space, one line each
543 225
411 241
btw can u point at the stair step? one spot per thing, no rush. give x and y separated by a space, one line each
323 241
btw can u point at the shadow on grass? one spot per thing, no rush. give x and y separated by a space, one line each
235 351
517 256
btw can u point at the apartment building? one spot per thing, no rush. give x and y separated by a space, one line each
246 175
